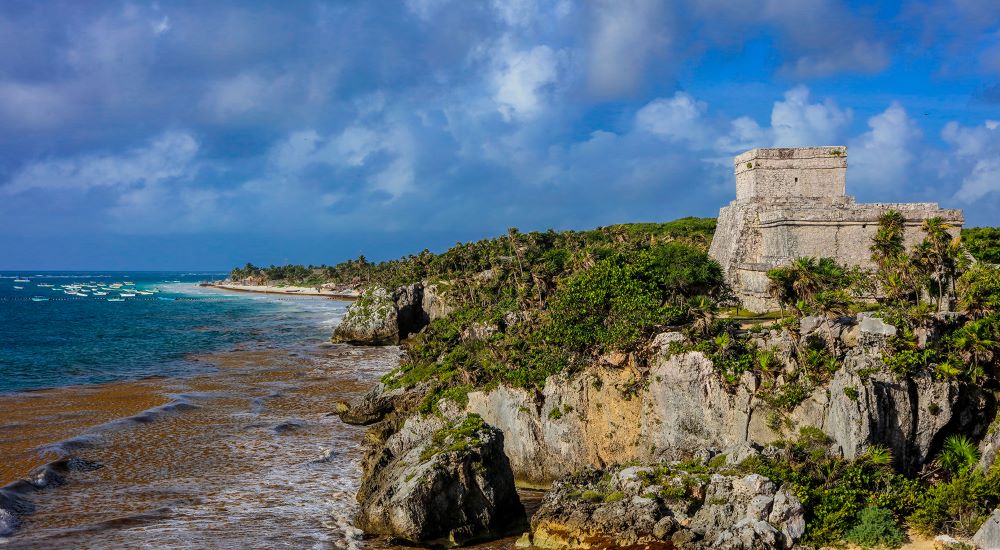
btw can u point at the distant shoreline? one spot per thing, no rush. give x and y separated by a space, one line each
349 295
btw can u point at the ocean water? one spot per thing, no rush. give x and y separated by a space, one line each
50 336
205 413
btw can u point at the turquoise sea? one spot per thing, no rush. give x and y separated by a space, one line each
52 336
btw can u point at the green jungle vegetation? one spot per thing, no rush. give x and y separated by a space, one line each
530 305
983 243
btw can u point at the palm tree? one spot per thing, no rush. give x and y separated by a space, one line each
887 244
958 456
980 291
935 251
806 281
975 343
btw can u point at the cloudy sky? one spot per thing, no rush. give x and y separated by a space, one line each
198 135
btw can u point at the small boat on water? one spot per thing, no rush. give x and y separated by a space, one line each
100 294
22 280
116 299
18 288
39 299
127 295
166 298
46 285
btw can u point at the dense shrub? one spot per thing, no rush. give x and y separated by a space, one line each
979 290
983 243
833 490
876 528
616 302
811 285
958 506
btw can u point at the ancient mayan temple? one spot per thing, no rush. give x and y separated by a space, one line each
792 203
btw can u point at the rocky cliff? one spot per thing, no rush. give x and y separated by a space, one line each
441 483
678 408
660 405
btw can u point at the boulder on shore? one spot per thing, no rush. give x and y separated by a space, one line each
379 403
380 317
441 484
371 320
664 506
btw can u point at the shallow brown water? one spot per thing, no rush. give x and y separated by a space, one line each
244 456
250 458
31 420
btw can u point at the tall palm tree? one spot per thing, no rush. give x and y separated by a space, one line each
935 251
805 277
887 244
975 343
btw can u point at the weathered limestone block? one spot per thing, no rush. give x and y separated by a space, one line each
988 536
441 484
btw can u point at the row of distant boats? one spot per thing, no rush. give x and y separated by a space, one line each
114 292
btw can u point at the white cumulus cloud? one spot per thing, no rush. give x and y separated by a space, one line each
885 155
976 158
169 156
677 118
798 123
521 81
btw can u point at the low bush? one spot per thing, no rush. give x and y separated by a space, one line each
958 506
876 528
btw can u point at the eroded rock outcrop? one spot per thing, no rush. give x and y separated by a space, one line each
380 317
440 483
678 406
666 507
380 402
371 320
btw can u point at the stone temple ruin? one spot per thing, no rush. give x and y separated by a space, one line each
792 203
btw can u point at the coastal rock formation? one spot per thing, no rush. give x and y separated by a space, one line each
379 317
440 483
378 403
371 320
680 407
989 447
792 203
664 507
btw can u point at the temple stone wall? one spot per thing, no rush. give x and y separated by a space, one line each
790 173
792 203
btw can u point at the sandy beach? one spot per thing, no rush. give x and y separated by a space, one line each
291 290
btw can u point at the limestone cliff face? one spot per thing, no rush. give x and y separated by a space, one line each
723 511
680 409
